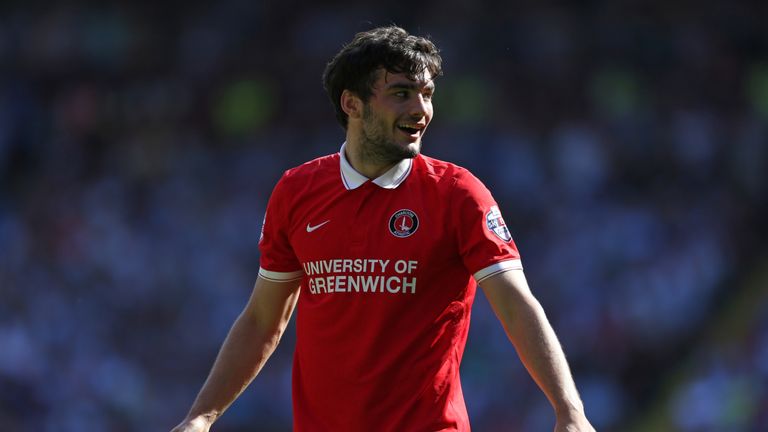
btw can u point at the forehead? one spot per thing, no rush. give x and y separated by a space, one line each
387 79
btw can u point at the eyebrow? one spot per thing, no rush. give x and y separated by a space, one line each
430 85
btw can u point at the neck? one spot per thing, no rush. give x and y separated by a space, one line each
364 163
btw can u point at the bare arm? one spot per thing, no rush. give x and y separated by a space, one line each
534 339
251 340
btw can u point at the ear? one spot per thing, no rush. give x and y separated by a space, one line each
351 104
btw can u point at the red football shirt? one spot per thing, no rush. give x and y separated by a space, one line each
387 269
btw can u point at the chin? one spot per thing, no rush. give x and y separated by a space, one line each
395 152
413 149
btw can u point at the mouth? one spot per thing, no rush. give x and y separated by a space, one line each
414 130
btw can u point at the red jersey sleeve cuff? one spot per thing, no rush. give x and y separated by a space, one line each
274 276
496 268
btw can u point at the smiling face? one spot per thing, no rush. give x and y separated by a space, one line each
395 117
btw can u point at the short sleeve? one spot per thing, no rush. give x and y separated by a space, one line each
278 260
485 243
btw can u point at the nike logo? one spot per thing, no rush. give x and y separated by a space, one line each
312 228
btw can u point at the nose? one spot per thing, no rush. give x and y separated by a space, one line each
421 107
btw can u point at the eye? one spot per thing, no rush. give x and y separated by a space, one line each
402 94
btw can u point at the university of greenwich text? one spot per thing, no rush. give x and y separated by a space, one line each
361 275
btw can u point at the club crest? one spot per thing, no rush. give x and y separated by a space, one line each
403 223
496 224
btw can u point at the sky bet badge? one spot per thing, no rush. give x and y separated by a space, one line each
403 223
496 224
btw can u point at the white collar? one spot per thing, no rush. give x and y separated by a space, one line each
389 180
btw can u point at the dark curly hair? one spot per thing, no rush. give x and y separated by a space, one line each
391 48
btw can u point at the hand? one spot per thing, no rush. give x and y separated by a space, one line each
196 424
575 423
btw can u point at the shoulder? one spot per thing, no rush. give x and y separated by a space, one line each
298 181
311 172
320 165
447 174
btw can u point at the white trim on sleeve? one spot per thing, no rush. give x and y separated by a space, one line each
273 276
496 268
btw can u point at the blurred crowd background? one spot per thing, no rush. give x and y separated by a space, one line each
626 143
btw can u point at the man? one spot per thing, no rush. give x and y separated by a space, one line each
383 244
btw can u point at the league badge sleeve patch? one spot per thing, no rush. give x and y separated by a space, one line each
482 234
263 222
496 224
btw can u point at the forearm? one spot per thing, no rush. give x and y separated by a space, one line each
543 357
251 340
534 339
242 355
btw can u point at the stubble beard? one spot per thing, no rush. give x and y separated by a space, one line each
377 147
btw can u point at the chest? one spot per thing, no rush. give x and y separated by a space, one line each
409 223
